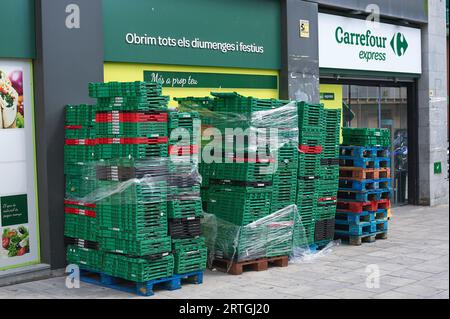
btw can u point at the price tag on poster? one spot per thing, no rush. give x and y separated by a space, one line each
18 204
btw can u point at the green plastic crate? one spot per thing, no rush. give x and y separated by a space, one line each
366 132
124 89
79 153
78 188
84 257
144 223
80 115
310 115
239 205
82 227
308 164
185 209
148 129
136 151
306 186
243 171
325 212
150 246
138 269
189 255
366 141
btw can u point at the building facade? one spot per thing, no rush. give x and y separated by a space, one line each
383 61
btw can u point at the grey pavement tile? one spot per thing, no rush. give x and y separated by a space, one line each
326 285
410 268
424 256
411 274
322 297
429 268
407 261
351 278
349 293
383 287
435 283
441 295
395 295
397 281
383 254
419 290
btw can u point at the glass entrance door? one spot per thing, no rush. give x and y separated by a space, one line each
383 107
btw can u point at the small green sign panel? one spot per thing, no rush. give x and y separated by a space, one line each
437 168
327 96
212 80
14 210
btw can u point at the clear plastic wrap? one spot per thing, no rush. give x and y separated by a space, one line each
126 181
278 234
247 126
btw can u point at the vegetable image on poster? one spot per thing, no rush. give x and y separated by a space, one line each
11 99
15 241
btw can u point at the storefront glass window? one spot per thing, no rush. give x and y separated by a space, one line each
384 107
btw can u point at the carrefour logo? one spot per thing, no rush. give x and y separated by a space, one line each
399 44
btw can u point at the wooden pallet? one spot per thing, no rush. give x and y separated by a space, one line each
237 268
360 174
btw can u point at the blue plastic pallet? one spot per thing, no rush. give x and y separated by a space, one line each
383 183
380 226
367 196
358 240
381 215
365 185
140 288
317 246
356 218
364 152
345 228
376 162
357 186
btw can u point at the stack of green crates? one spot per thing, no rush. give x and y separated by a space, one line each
80 227
285 178
184 203
131 222
311 141
238 188
329 177
366 137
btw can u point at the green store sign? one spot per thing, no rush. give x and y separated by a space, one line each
17 39
211 80
230 33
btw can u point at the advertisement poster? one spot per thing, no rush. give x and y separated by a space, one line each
18 203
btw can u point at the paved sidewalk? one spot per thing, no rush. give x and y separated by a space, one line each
413 262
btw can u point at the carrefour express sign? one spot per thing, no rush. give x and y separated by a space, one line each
354 44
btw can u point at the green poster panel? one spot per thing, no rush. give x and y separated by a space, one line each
14 210
17 38
226 33
211 80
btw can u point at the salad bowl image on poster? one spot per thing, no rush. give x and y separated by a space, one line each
15 241
19 227
11 99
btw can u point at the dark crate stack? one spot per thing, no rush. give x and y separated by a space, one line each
131 179
240 188
318 170
365 185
